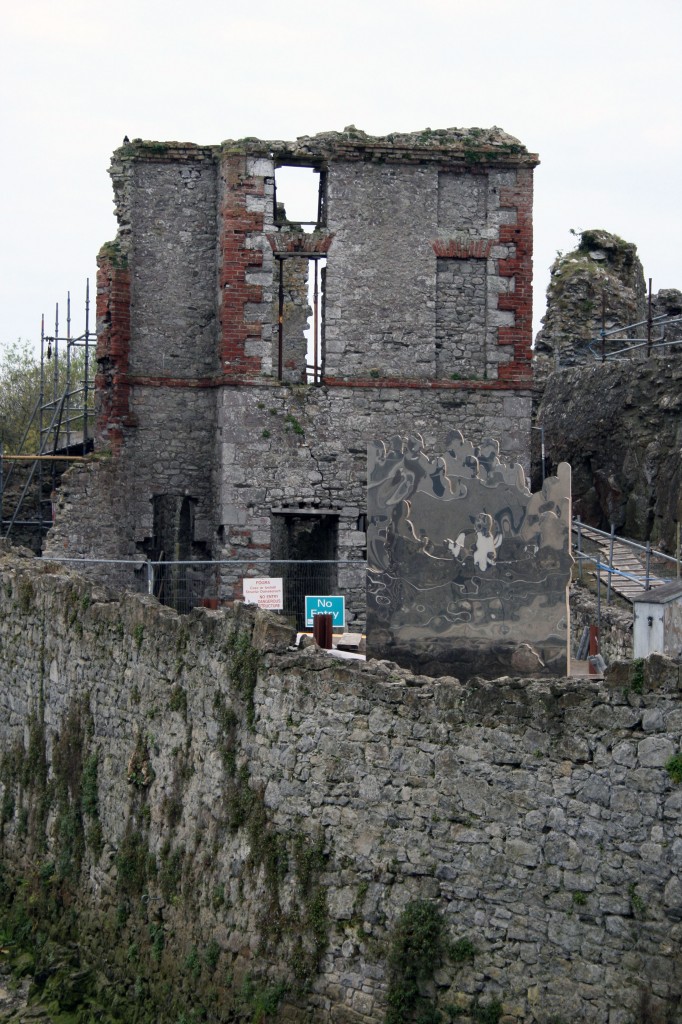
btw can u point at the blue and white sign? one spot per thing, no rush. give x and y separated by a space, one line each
334 606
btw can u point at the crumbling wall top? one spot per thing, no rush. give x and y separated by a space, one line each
466 145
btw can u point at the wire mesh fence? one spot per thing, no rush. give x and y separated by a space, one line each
185 585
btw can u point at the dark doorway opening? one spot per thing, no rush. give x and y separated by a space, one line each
172 546
304 553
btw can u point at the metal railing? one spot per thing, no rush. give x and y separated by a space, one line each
657 567
597 346
624 334
184 585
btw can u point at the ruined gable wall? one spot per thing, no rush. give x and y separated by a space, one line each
426 327
537 817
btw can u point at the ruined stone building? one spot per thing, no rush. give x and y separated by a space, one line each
224 431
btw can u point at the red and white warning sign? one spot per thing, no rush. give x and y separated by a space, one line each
264 591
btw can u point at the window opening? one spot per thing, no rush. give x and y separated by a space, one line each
299 196
293 339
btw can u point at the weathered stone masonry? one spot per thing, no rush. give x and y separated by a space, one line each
538 817
425 324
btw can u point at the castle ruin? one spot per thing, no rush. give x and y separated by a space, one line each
245 360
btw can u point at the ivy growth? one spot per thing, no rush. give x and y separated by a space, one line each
418 945
245 662
178 700
487 1013
140 771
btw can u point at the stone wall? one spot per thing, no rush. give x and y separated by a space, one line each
254 820
615 624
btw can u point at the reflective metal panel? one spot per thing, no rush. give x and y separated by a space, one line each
468 571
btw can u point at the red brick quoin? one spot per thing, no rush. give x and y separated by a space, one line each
237 225
113 350
520 267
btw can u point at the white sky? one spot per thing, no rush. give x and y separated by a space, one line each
593 86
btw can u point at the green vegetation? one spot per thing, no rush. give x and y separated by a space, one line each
673 767
157 939
637 675
293 424
211 955
112 251
71 793
193 963
218 896
133 862
261 1000
26 594
417 948
227 731
273 854
310 861
170 871
152 148
20 393
462 951
636 902
178 701
244 665
140 771
68 768
489 1013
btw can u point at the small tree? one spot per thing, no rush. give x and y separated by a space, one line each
20 394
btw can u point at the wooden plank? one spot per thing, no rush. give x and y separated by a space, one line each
43 458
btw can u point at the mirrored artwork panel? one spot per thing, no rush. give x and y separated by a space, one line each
468 571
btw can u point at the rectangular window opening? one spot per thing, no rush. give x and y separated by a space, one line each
300 197
300 317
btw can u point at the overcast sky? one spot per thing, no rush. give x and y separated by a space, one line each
593 86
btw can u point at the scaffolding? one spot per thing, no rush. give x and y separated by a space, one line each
62 421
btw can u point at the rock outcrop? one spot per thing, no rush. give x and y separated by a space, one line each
616 421
600 281
668 303
619 425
